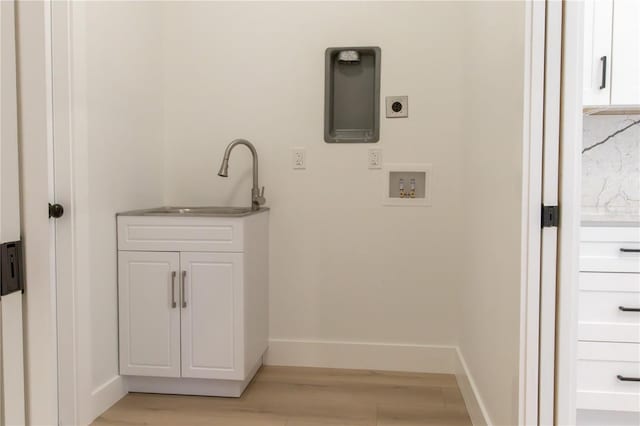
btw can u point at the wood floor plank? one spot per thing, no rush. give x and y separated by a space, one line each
391 415
334 376
294 396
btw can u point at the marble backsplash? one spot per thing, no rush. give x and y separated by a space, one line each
611 165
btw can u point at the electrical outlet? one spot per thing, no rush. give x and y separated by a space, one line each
397 106
375 159
299 158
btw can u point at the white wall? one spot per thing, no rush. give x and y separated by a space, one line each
490 296
343 267
124 140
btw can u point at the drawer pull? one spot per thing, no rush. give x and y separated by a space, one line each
628 250
628 379
184 290
625 309
603 82
173 289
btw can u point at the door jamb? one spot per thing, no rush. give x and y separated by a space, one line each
570 177
533 110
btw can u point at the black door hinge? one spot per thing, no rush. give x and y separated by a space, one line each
11 268
550 216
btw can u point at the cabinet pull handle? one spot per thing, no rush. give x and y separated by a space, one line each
628 379
173 289
184 291
628 250
625 309
603 82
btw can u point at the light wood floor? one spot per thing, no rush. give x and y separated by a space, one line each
291 396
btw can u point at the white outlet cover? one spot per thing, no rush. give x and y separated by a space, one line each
397 106
298 158
374 158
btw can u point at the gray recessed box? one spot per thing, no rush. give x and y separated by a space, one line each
352 95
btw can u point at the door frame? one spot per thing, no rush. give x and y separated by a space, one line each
561 177
69 132
570 178
12 383
532 154
76 397
33 56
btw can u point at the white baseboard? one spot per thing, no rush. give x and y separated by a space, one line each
107 394
475 407
367 356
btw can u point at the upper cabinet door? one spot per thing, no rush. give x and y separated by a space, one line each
625 68
212 320
149 319
598 19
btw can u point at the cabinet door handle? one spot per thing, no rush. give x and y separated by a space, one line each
628 250
603 82
184 289
628 379
173 289
625 309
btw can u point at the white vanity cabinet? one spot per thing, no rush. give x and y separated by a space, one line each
608 358
193 302
611 74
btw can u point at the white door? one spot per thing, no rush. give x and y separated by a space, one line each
625 70
149 314
212 315
12 404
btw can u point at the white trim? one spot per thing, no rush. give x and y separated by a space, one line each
34 56
107 394
569 233
76 396
362 355
472 400
550 172
12 383
531 202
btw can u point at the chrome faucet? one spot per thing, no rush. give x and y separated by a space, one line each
257 195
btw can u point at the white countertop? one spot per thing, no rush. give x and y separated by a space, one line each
610 217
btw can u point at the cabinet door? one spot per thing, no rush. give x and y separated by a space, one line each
598 18
625 68
149 320
212 340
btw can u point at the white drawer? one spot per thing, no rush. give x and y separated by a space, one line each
599 365
606 249
152 233
600 315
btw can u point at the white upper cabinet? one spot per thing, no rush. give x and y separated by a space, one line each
598 25
611 74
625 68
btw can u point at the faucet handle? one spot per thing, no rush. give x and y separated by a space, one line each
262 192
